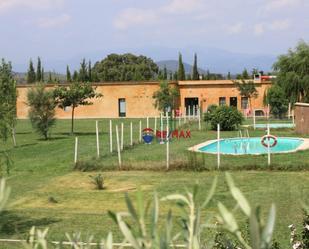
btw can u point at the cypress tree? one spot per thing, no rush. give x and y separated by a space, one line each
68 75
50 80
89 72
31 73
39 71
75 76
229 75
170 75
175 76
195 74
165 73
42 75
181 69
83 74
245 74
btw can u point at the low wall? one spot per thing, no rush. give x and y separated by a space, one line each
302 118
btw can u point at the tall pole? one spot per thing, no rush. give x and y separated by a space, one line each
155 125
161 128
185 115
289 112
131 134
268 144
140 131
293 118
118 147
167 143
147 122
97 137
254 119
110 136
218 145
121 144
199 118
75 151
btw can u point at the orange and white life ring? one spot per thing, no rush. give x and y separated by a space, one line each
264 138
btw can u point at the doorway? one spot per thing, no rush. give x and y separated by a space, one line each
122 107
191 104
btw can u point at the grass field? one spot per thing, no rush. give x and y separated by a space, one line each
44 169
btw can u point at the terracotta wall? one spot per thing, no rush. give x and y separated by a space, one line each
302 118
209 94
139 101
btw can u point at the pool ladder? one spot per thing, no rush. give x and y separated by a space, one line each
245 135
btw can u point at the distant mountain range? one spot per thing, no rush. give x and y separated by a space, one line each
213 59
172 65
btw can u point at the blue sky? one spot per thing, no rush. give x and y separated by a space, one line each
60 30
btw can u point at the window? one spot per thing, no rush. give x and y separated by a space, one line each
233 101
222 101
244 103
122 107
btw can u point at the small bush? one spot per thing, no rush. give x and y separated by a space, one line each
228 117
98 181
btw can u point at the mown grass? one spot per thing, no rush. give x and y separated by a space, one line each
44 169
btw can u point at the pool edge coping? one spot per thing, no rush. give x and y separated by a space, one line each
303 146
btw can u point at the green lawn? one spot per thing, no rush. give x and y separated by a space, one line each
44 169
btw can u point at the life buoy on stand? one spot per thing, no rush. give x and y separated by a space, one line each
268 137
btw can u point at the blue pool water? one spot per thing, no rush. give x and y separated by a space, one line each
275 125
243 146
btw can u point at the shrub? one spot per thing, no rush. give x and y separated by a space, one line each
98 181
210 110
42 109
228 117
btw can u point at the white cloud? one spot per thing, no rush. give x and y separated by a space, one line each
273 5
279 25
52 22
132 16
182 6
259 29
7 5
235 28
136 16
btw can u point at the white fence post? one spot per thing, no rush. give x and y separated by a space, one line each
110 136
218 145
293 118
140 130
121 144
118 147
254 121
97 137
289 111
155 125
75 151
147 122
161 128
131 134
268 145
167 144
185 115
199 118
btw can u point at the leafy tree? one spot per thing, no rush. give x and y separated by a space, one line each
125 67
166 96
42 109
228 117
195 74
74 95
247 89
293 73
83 71
39 71
8 96
68 75
31 76
181 69
277 100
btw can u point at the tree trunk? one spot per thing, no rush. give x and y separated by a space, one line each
72 121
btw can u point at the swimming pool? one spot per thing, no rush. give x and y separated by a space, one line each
251 146
275 125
